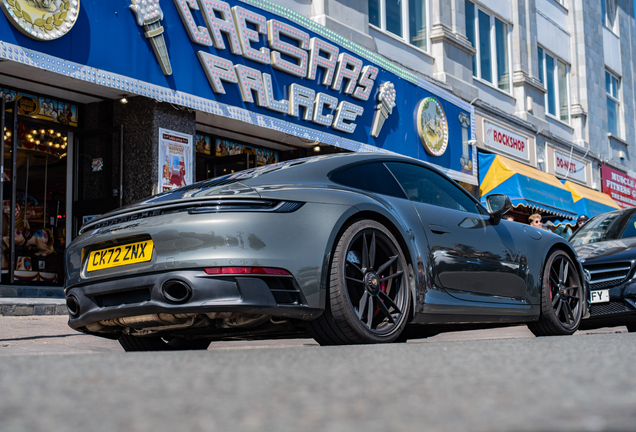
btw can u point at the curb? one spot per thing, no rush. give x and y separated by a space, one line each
27 307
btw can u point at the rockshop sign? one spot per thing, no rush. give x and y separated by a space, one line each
506 141
620 186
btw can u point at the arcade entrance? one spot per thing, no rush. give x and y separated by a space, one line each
33 196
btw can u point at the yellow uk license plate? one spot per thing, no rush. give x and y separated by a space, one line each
120 255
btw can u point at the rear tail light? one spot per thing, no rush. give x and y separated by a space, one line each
246 271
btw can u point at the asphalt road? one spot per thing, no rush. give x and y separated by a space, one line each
497 380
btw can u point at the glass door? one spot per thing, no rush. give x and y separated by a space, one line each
7 222
34 200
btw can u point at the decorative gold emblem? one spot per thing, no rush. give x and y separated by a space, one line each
42 19
432 126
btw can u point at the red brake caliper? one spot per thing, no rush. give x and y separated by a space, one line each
383 289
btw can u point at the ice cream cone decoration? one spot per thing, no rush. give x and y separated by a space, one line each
149 14
386 97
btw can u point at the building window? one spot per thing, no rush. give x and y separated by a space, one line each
404 18
553 74
612 84
608 13
489 35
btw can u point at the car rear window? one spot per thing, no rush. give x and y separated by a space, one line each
372 177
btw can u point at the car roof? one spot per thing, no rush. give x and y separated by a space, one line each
314 168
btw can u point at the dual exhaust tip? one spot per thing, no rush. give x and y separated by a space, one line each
174 291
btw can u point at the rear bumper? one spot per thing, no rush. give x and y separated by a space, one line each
146 294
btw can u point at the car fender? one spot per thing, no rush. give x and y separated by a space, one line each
411 236
542 247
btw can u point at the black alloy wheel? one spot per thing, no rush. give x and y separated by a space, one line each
561 298
368 299
156 343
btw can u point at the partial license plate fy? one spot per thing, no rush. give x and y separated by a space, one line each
600 296
131 253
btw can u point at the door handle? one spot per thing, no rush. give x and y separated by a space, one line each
438 229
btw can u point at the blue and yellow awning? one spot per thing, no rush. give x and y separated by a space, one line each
590 202
525 186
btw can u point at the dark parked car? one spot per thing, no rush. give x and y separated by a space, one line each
355 248
606 245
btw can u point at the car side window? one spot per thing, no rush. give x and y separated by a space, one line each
426 186
372 177
630 228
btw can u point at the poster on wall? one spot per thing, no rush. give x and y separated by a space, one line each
175 160
204 144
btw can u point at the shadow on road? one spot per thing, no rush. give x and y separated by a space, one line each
40 337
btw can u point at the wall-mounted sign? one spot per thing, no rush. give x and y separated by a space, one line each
261 64
505 140
47 109
97 164
618 185
571 168
432 126
175 159
28 106
42 19
228 148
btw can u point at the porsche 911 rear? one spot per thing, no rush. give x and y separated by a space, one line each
348 249
199 269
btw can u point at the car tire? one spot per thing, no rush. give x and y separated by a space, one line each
561 297
368 295
156 343
631 327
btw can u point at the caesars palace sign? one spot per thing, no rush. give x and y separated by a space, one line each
243 32
289 50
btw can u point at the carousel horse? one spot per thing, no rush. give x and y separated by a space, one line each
41 240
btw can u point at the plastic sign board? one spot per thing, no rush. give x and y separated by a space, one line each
620 186
569 167
505 140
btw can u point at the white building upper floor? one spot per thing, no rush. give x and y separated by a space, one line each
563 68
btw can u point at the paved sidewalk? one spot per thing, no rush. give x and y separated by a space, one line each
18 306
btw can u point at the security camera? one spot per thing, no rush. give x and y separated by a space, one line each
621 155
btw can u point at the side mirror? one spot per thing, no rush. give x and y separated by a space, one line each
498 205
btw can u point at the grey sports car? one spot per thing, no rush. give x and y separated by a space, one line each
349 248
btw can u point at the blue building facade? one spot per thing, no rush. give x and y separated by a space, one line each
205 82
